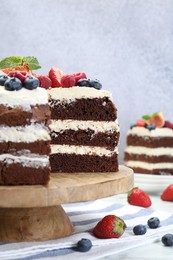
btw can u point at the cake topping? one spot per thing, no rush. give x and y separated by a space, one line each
31 83
89 83
13 84
55 75
3 78
45 81
78 76
68 81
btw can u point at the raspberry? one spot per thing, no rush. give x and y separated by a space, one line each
78 76
168 124
22 75
45 81
55 75
68 81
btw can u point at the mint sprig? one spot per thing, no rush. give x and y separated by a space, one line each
147 117
13 61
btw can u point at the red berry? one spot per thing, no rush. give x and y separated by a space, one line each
140 123
168 124
68 81
55 75
45 81
110 226
168 193
138 197
22 75
78 76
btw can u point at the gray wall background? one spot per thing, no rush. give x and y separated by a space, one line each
126 44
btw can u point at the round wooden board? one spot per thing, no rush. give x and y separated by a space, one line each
67 188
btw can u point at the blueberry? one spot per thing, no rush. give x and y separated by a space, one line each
3 78
83 83
139 230
13 84
131 127
153 222
84 245
95 84
150 127
167 240
31 83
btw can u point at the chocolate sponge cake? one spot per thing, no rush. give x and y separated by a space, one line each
84 130
24 137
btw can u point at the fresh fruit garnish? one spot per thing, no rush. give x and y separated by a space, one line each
167 194
13 61
31 83
138 197
95 84
22 75
55 75
83 83
3 78
78 76
150 127
13 84
153 222
168 125
110 226
157 119
45 81
68 81
84 245
167 240
2 73
139 229
140 123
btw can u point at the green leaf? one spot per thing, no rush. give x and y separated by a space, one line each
146 117
10 62
32 62
154 114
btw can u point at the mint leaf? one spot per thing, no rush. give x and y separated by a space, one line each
154 114
10 62
32 62
146 117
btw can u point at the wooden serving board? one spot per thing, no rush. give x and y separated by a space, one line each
36 211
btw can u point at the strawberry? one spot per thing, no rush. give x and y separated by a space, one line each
110 226
78 76
140 123
55 75
68 81
167 194
45 81
139 197
22 75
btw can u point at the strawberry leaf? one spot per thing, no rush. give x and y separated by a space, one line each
32 62
146 117
10 62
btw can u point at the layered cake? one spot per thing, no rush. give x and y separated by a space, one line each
24 136
150 145
84 127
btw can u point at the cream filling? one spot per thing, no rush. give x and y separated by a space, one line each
23 98
149 151
96 126
149 166
32 160
144 132
71 94
89 150
27 134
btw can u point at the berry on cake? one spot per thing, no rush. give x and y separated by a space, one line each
24 117
150 145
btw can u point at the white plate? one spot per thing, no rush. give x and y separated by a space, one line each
152 183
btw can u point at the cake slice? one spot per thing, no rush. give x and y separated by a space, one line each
84 130
24 135
150 146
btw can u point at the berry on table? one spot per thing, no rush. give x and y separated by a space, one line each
31 83
12 84
139 229
167 194
153 222
84 245
3 78
138 197
167 240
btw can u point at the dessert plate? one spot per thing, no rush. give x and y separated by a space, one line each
152 183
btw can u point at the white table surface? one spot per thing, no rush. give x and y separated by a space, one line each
150 251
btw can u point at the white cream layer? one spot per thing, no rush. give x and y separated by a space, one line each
27 134
89 150
23 98
96 126
73 93
149 151
149 166
32 160
144 132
